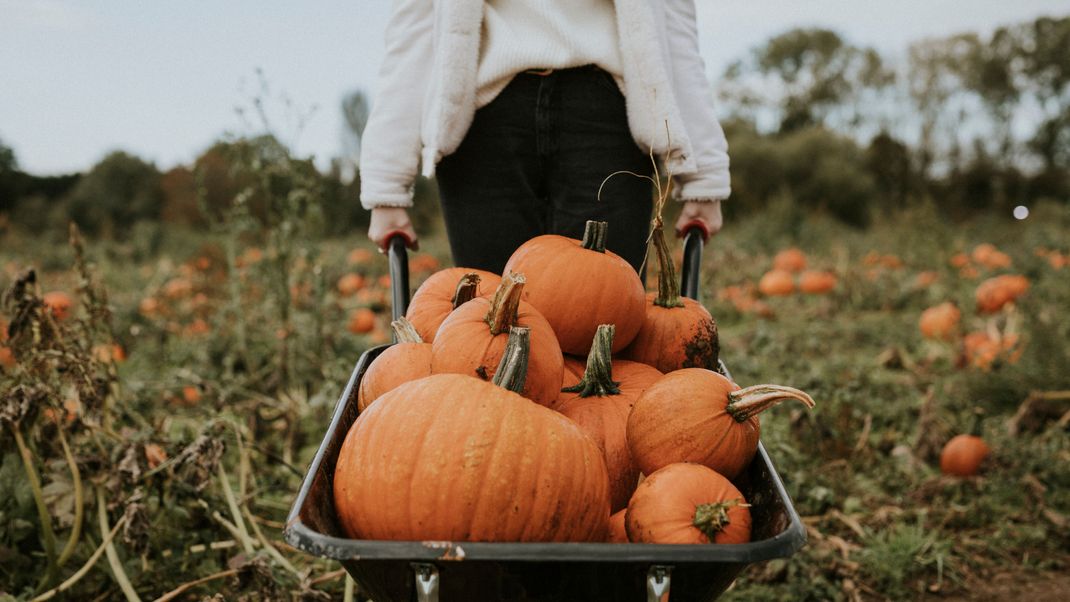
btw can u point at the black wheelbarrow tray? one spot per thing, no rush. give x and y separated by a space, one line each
402 571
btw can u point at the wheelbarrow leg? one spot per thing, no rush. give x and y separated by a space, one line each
426 582
657 583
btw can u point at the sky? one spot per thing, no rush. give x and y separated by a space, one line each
163 80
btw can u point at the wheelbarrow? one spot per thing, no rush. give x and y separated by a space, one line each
433 571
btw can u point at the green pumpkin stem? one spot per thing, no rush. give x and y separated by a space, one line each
978 418
503 310
466 289
711 519
598 377
404 331
594 236
512 371
745 403
668 285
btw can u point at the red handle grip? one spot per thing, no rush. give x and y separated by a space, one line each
412 244
695 224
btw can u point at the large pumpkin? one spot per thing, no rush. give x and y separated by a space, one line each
452 457
578 284
444 290
600 406
687 504
472 338
994 293
677 332
696 415
409 359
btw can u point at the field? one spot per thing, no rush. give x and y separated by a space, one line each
184 396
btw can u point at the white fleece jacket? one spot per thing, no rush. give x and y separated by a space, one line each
427 95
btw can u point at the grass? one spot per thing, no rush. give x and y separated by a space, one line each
273 353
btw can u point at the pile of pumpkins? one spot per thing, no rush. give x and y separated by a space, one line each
559 402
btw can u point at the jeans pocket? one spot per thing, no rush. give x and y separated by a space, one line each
606 81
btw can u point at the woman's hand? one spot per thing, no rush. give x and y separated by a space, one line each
388 220
709 213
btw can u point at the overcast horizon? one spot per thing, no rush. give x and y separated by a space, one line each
163 81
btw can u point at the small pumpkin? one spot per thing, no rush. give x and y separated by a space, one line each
361 321
776 283
579 284
409 359
963 454
790 260
817 282
696 415
600 406
472 339
442 292
489 464
940 321
349 284
59 303
677 332
7 358
994 293
687 503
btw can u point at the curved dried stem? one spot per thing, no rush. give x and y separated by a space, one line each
466 289
404 331
512 371
745 403
48 536
113 556
503 310
69 583
79 501
598 377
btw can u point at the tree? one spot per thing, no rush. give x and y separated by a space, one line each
120 190
355 111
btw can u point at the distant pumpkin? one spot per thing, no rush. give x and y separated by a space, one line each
940 321
790 260
815 282
59 303
776 283
994 293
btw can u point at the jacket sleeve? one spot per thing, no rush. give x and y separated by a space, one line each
391 144
695 98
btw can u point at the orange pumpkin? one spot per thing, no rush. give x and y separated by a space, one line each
472 339
790 260
444 290
982 349
489 464
359 256
994 293
696 415
578 284
776 283
617 531
678 332
409 359
814 282
925 279
361 321
349 284
687 504
940 321
959 260
600 406
59 303
963 454
7 358
988 256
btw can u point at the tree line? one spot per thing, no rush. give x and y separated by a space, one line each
970 123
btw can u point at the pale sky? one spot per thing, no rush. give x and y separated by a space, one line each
162 79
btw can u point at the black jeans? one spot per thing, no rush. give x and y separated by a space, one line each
532 162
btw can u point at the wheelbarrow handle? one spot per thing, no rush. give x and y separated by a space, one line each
695 234
396 244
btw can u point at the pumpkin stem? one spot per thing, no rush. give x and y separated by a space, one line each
594 236
404 331
978 418
466 289
598 377
513 369
668 287
712 518
751 401
503 310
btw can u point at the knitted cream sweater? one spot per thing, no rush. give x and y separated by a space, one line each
539 34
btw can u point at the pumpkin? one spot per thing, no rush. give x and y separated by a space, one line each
925 279
988 256
963 454
940 321
617 531
472 338
816 282
451 457
409 359
696 415
59 303
600 406
790 260
678 332
959 260
7 358
361 321
994 293
578 284
349 284
776 283
686 503
359 256
982 349
442 292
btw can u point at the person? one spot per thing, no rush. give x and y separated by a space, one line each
523 108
